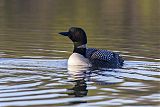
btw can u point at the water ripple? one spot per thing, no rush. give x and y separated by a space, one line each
50 82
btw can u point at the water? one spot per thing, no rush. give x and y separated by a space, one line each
33 57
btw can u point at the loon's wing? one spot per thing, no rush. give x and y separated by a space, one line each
104 58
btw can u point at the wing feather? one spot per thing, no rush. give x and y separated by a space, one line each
105 58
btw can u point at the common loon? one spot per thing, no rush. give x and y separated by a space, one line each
90 56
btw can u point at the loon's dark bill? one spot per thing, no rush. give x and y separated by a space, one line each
64 33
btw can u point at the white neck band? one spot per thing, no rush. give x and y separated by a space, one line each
82 46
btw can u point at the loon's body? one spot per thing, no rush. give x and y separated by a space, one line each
90 56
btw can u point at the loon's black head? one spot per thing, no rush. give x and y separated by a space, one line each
77 35
79 39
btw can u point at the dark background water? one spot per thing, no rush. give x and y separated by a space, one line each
33 56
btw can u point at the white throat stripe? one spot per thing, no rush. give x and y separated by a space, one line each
82 46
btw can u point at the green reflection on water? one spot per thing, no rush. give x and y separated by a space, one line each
29 28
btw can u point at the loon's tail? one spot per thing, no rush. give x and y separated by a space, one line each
121 61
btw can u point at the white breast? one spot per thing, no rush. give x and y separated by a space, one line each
78 60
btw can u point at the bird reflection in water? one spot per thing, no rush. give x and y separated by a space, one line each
78 76
79 89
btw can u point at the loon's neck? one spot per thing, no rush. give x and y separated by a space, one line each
80 50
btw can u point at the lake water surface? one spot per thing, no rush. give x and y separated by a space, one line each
33 57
